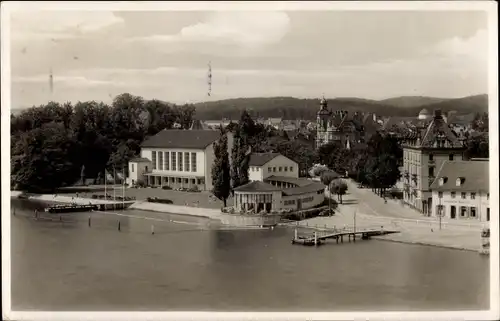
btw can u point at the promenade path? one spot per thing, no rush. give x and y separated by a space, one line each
370 211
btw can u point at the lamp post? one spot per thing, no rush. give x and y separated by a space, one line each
440 209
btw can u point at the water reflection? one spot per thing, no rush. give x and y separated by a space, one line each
69 265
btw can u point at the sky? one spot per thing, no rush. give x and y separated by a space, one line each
96 55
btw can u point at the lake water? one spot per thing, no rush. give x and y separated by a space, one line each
70 266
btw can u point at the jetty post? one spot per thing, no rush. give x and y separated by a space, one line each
119 226
90 223
152 229
315 238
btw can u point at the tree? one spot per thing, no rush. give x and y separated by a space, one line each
221 178
328 176
339 187
240 157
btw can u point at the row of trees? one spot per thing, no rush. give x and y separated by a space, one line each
50 144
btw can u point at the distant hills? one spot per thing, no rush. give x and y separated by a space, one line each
294 108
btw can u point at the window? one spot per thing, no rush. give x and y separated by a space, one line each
472 212
320 192
463 211
186 161
179 180
440 194
253 169
166 159
153 154
286 168
257 169
274 169
453 194
186 180
160 161
488 196
291 168
289 202
431 157
174 161
179 158
193 162
307 199
269 169
487 213
464 195
193 181
279 169
132 168
431 171
473 196
451 157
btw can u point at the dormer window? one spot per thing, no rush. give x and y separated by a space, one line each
460 181
443 181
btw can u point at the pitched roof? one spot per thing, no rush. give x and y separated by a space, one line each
139 160
439 129
260 159
257 186
475 175
178 138
312 187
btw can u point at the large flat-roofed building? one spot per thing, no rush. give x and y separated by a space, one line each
461 190
176 158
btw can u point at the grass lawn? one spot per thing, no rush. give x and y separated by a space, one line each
202 199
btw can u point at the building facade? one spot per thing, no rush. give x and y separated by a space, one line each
461 191
263 165
339 126
423 154
176 158
275 185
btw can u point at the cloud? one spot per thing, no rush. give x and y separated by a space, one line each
474 48
247 29
70 81
59 24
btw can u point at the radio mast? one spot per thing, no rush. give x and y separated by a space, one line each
209 79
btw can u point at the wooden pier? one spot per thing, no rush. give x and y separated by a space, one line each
319 237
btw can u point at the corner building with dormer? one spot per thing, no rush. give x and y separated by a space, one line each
423 155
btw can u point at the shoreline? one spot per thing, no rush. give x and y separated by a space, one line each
406 235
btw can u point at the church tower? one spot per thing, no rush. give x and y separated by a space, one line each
323 121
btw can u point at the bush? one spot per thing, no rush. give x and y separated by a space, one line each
167 187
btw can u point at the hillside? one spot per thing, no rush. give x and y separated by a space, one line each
294 108
411 101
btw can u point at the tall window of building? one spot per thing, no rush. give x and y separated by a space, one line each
473 196
431 171
193 162
463 211
160 161
464 195
451 157
179 158
279 169
132 168
488 196
291 168
440 194
174 161
153 159
269 169
453 194
431 157
286 168
472 212
166 159
274 169
186 161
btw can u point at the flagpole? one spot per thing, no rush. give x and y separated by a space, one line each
105 189
123 187
114 188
